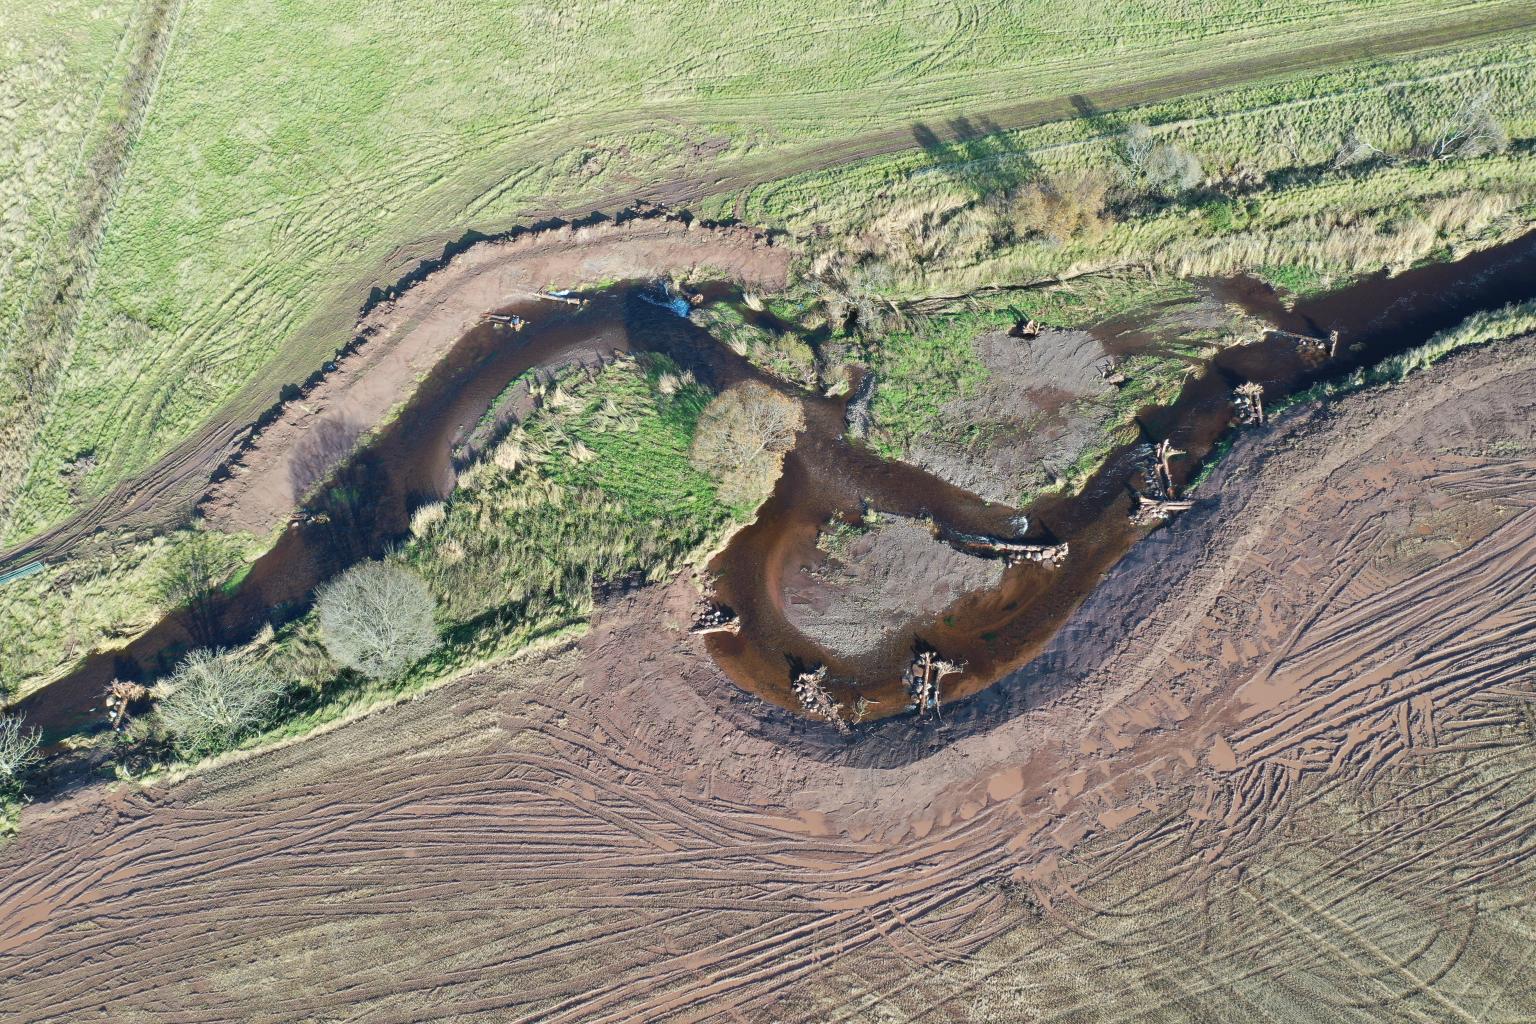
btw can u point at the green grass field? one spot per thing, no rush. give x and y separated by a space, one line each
286 157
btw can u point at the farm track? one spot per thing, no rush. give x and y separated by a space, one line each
48 315
1281 761
168 488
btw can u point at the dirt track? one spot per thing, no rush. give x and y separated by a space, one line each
618 834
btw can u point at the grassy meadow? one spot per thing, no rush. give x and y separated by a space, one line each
285 157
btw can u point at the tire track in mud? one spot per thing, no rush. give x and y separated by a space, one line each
617 834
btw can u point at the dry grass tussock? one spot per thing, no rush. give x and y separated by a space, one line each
595 486
1345 240
916 236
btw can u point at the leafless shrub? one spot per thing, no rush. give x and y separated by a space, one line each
1136 147
1471 131
377 618
1353 149
742 437
214 696
18 748
1173 169
1288 138
1159 166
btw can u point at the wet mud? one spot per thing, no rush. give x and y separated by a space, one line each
367 506
995 631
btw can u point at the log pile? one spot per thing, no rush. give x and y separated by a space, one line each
1014 552
1026 329
120 695
810 690
923 677
716 618
1150 511
1109 372
1160 501
511 320
1249 399
1166 453
1306 344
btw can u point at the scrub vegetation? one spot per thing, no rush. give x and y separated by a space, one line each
236 218
1308 181
103 599
595 489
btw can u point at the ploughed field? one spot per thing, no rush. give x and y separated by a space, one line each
1277 765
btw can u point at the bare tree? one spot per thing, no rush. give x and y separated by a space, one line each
1354 148
18 748
1136 147
215 696
197 563
742 438
1160 166
1471 131
1289 140
377 618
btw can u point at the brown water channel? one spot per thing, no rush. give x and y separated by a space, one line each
411 461
998 630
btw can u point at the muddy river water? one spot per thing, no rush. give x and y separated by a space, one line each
413 459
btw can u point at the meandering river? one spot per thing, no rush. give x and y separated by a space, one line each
411 460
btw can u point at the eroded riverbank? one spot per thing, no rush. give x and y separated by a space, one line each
991 632
995 631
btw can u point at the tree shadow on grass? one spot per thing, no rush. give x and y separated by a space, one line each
977 155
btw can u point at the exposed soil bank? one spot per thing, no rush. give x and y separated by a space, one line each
410 335
997 630
878 581
1043 400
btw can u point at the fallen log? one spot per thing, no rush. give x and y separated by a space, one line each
1150 511
511 320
